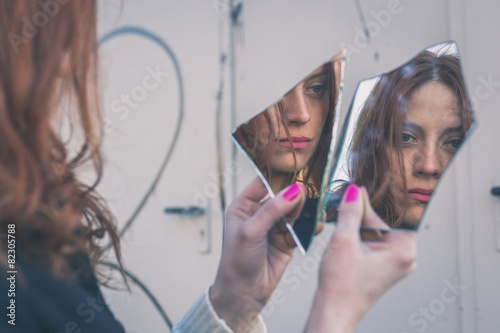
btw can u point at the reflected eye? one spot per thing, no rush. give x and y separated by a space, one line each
455 144
405 137
318 89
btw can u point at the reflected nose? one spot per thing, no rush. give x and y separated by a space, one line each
429 163
296 110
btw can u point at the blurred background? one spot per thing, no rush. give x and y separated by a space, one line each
178 76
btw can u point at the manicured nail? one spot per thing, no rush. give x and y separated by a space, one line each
292 193
352 193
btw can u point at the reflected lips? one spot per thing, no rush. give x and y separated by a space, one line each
420 194
299 142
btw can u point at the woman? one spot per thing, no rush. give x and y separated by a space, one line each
48 281
410 127
290 141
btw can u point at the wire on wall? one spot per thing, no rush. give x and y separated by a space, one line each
143 287
219 127
232 93
363 20
366 30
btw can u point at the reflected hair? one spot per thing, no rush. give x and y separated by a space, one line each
56 216
379 126
249 137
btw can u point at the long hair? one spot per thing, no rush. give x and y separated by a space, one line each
49 59
248 136
378 130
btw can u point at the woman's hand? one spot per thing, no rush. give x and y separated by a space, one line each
355 274
257 249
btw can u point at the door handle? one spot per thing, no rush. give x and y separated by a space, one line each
187 211
495 191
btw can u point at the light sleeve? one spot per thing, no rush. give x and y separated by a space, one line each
202 318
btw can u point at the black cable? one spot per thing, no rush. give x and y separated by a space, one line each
143 287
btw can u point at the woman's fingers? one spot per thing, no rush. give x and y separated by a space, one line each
286 206
254 192
295 212
371 219
373 227
245 205
351 211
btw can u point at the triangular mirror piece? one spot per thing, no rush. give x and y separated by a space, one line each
291 141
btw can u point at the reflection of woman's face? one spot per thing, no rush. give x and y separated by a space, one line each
431 134
305 109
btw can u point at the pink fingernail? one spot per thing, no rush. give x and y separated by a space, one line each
352 193
292 193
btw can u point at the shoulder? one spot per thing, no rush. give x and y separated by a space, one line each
39 301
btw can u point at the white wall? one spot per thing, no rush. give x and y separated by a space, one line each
283 42
162 250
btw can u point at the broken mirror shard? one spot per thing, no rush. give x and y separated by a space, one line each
291 142
403 129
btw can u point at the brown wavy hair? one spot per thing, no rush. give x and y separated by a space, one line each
311 175
49 60
379 127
